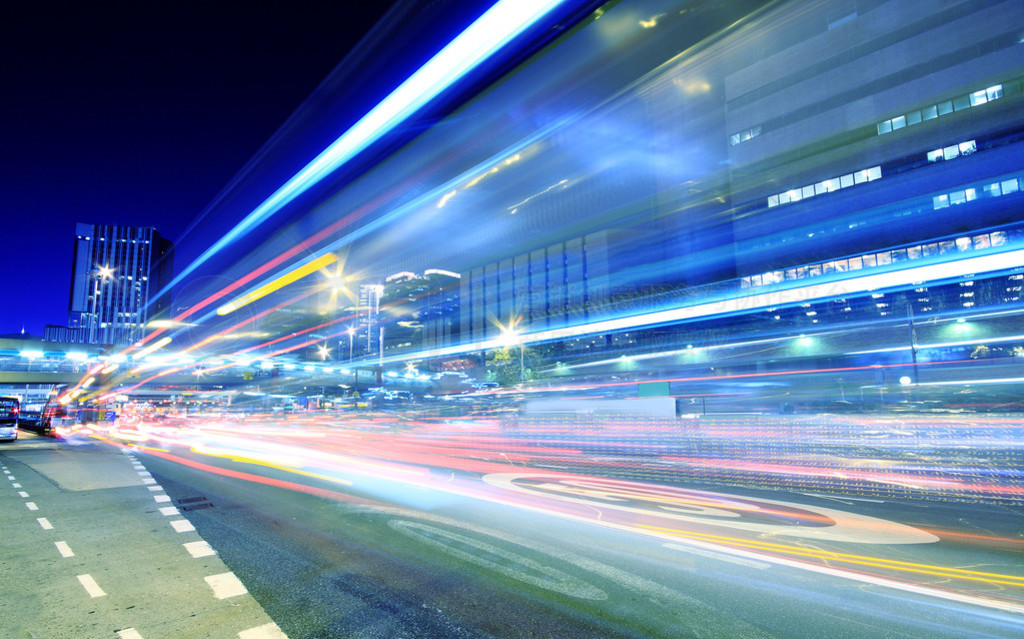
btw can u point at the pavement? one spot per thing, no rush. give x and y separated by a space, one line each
92 547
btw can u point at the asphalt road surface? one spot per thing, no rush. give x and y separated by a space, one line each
343 527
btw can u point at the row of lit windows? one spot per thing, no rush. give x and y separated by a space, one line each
743 136
959 103
962 196
883 258
826 186
953 151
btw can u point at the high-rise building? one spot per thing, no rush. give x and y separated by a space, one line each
115 272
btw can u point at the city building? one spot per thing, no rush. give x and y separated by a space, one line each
115 271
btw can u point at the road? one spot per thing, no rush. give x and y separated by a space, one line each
390 526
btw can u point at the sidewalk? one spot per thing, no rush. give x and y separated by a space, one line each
93 548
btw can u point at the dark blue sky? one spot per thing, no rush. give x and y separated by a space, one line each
139 113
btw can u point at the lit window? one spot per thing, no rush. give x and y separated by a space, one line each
940 201
945 108
773 200
874 173
1009 186
884 127
992 190
957 197
794 195
930 112
820 188
968 147
979 97
935 156
914 117
963 244
994 92
846 181
807 191
950 152
962 102
899 122
734 139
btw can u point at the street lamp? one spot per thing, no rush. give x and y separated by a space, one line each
511 337
103 273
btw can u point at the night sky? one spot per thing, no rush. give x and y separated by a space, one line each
139 113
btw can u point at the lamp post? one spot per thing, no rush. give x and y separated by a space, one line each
101 274
511 337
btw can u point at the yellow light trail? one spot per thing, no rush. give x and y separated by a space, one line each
861 560
282 281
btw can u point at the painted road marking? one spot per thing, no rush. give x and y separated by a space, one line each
156 488
45 523
226 585
64 549
22 493
91 586
129 633
167 511
199 549
148 480
161 498
182 525
498 559
31 505
269 631
15 485
10 477
7 472
144 473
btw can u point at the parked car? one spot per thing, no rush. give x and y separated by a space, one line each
9 409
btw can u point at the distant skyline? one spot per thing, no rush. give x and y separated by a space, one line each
138 114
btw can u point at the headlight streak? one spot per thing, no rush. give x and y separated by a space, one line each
407 457
493 30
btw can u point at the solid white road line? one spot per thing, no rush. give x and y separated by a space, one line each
45 523
199 549
182 525
226 585
91 586
269 631
64 549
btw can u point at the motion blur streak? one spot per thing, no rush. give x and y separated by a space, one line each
492 31
284 280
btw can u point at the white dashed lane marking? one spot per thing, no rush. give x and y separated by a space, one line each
64 549
269 631
91 586
199 549
10 477
31 505
22 493
161 498
156 488
167 511
226 585
129 633
45 523
15 485
148 480
182 525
